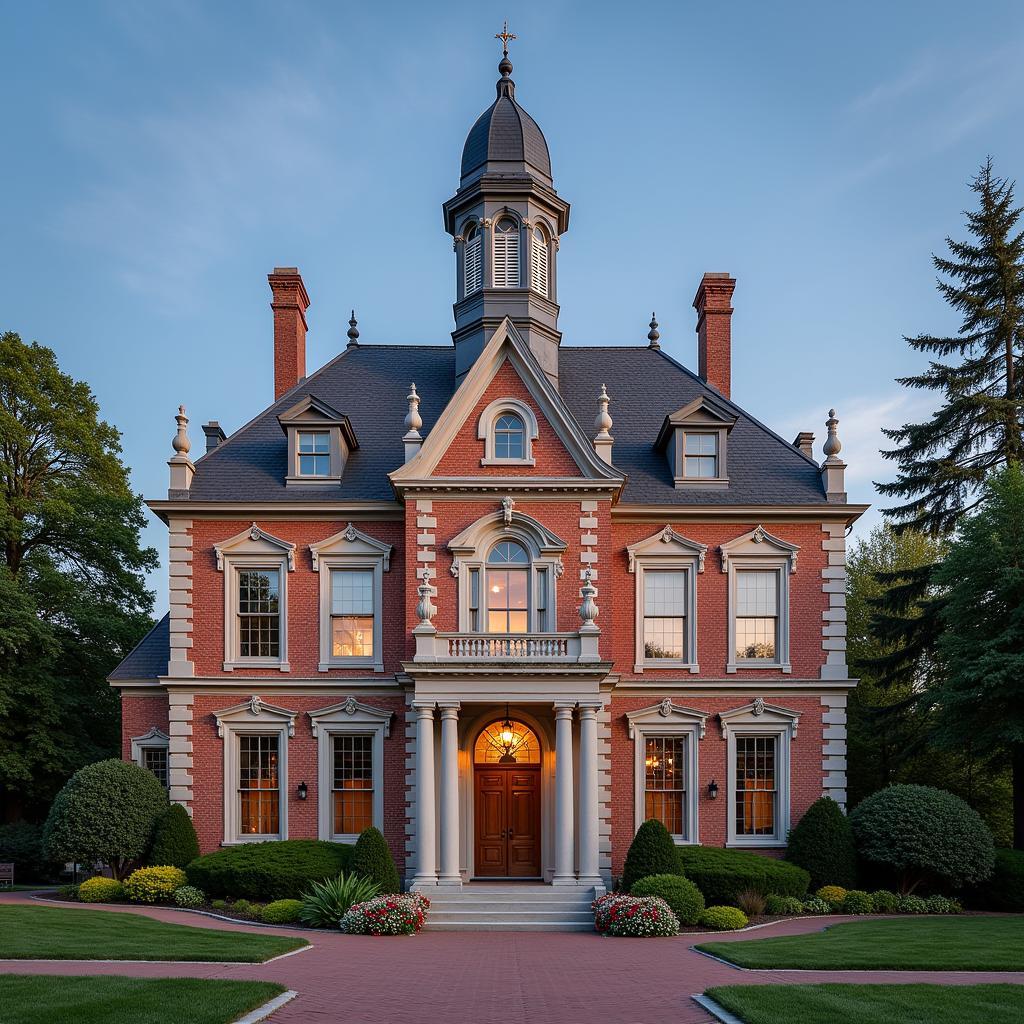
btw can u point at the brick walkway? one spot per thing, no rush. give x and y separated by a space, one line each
514 977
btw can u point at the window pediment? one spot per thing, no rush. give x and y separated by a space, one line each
320 440
695 441
351 542
667 543
759 544
255 712
762 716
255 541
351 713
664 714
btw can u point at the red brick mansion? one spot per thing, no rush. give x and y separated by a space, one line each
504 597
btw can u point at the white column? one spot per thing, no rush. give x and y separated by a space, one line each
426 824
564 873
449 873
589 825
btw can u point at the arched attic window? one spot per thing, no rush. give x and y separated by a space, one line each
506 253
473 260
509 437
539 261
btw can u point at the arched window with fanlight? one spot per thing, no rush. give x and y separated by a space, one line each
508 588
506 253
509 437
473 260
539 261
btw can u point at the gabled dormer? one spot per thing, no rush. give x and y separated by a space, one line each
695 442
320 440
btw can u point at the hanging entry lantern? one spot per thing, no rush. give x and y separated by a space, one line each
508 740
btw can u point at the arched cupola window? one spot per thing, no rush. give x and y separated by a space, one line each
539 261
473 260
506 253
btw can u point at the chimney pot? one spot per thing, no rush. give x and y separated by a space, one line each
805 442
713 303
289 303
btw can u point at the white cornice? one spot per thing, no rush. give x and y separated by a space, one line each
634 513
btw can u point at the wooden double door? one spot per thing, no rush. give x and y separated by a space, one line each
507 821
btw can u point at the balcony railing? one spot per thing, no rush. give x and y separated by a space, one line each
507 647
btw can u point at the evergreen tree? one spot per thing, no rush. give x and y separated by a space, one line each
652 852
372 859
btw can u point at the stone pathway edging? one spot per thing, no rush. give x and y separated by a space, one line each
264 1011
720 1013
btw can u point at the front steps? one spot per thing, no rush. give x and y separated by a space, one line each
488 906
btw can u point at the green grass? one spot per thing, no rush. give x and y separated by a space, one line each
873 1004
43 999
909 944
41 933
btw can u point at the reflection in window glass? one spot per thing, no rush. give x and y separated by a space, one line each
665 614
352 784
507 589
314 453
351 613
757 614
258 785
756 790
259 625
664 782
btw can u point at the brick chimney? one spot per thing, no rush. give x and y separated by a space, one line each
289 304
713 303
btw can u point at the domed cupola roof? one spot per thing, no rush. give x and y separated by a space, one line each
505 139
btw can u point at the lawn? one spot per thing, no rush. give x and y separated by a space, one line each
905 944
873 1004
42 933
43 999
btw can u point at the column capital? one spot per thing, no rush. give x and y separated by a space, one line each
588 711
564 709
424 708
449 708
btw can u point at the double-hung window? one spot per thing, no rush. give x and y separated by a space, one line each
352 784
259 613
665 782
665 614
352 613
154 759
314 452
700 456
757 615
757 790
259 791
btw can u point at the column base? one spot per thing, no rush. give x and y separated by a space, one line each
425 882
597 882
565 880
449 881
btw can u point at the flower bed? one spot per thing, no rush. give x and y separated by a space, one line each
387 915
633 916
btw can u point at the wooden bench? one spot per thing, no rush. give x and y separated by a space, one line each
7 876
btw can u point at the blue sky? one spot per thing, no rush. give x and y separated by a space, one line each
161 158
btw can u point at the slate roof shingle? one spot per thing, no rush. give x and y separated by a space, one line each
149 658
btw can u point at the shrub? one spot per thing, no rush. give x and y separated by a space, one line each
682 896
281 912
816 906
721 875
943 905
822 844
633 916
189 896
857 902
788 905
268 871
106 811
723 919
327 902
154 885
68 892
220 904
884 902
174 840
101 890
911 905
833 895
751 902
21 844
372 859
652 852
921 833
1004 889
389 914
243 908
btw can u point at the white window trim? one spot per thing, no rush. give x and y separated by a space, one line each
155 739
721 435
349 718
312 415
704 415
761 719
248 719
351 549
253 548
666 550
760 550
485 431
668 719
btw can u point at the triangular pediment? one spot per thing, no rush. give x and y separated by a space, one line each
666 542
505 347
255 541
351 712
354 542
311 411
759 543
704 411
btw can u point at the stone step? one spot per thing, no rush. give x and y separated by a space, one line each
528 925
498 913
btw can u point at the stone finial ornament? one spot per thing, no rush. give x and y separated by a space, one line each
833 469
425 608
653 335
179 463
604 441
833 446
180 443
588 609
413 439
353 332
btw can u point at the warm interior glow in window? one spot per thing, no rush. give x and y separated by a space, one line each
508 589
492 745
755 785
664 781
351 613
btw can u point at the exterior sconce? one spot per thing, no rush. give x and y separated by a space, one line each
712 790
303 791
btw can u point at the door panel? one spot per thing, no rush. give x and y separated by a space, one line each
524 824
491 812
507 810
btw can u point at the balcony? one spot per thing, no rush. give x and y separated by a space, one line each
519 648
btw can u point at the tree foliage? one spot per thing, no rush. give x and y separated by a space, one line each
372 859
822 844
174 841
73 599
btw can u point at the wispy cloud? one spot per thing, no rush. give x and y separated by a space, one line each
920 73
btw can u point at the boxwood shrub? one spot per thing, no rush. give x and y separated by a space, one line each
372 859
281 912
101 890
721 875
822 844
652 852
174 840
857 901
279 870
679 893
723 919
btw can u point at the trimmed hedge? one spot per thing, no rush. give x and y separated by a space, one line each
679 893
652 852
723 919
278 870
1004 890
281 912
174 841
721 875
101 890
153 885
822 844
372 859
857 901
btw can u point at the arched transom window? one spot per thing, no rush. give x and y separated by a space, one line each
507 742
506 253
473 261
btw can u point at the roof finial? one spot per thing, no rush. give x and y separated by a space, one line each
833 446
353 332
506 87
603 424
504 35
654 334
413 420
180 443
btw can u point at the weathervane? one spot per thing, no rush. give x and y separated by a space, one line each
504 35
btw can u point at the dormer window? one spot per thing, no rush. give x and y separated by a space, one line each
473 261
695 442
700 455
508 428
314 451
509 437
539 261
506 253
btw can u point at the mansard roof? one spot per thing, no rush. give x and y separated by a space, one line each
368 385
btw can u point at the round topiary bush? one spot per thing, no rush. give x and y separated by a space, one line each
857 902
911 905
652 852
174 839
833 895
721 875
822 844
787 905
281 912
107 812
189 896
268 871
154 885
816 906
679 893
723 919
101 890
921 833
884 902
372 859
